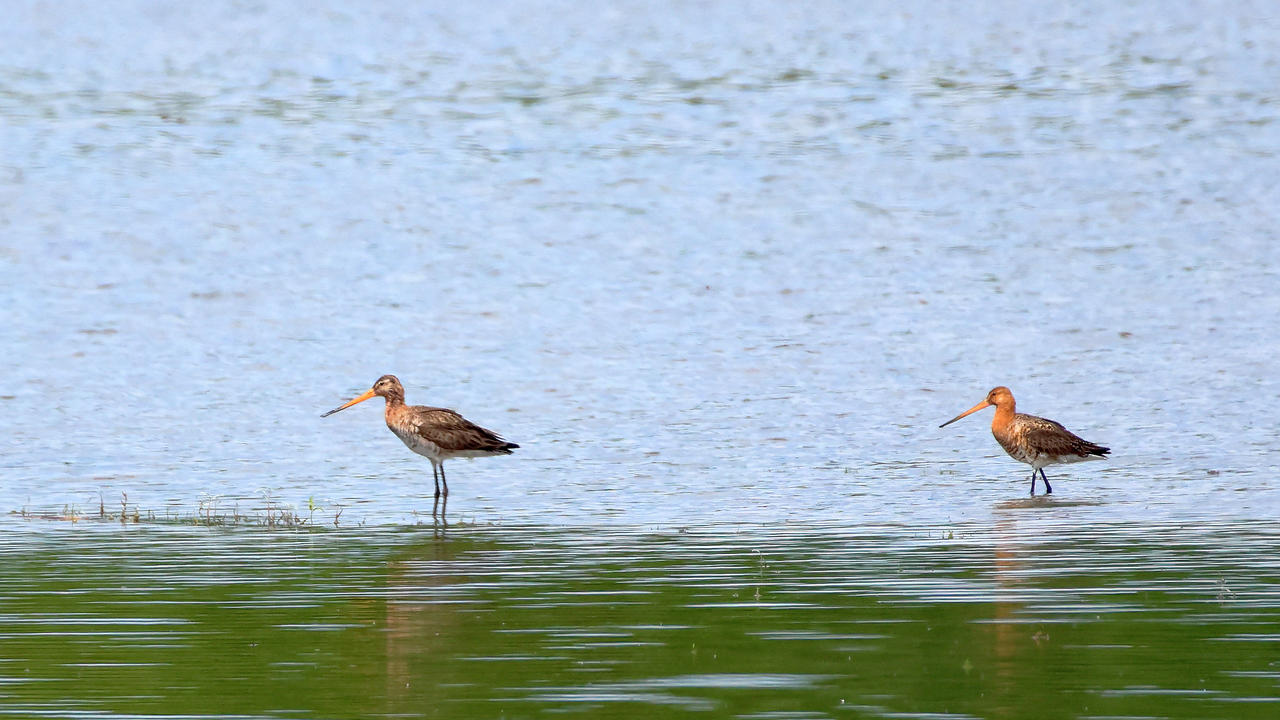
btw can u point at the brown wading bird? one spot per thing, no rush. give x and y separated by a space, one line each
1033 440
435 433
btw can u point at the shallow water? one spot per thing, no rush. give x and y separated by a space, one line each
1028 617
721 270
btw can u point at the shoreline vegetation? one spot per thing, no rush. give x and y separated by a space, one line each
270 514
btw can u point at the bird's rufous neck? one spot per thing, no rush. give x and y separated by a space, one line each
1004 415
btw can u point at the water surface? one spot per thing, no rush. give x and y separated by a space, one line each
720 269
1025 618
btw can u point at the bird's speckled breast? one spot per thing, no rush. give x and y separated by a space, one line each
1018 451
418 444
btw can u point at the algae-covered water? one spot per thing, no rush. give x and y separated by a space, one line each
1031 616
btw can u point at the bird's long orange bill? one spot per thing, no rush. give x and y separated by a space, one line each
349 403
970 411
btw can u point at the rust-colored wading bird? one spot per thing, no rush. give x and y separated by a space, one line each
1033 440
434 433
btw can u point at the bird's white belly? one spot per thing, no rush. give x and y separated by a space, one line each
421 445
432 451
473 453
1038 460
1064 459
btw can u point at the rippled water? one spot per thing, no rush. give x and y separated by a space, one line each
1028 617
720 269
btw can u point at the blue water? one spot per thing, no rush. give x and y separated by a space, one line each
704 263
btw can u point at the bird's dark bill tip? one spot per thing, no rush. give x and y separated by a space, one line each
350 402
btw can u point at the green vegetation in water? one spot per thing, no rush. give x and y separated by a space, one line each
207 513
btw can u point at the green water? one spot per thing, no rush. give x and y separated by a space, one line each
1020 618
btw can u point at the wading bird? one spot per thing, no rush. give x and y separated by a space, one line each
1033 440
434 433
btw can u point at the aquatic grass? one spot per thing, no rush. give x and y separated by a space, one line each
272 515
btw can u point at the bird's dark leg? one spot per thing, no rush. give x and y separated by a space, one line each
1048 489
1033 482
435 475
444 480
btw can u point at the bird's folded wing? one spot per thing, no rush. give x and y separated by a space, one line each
1052 438
450 431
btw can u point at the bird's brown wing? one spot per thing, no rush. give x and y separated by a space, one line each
453 433
1051 438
